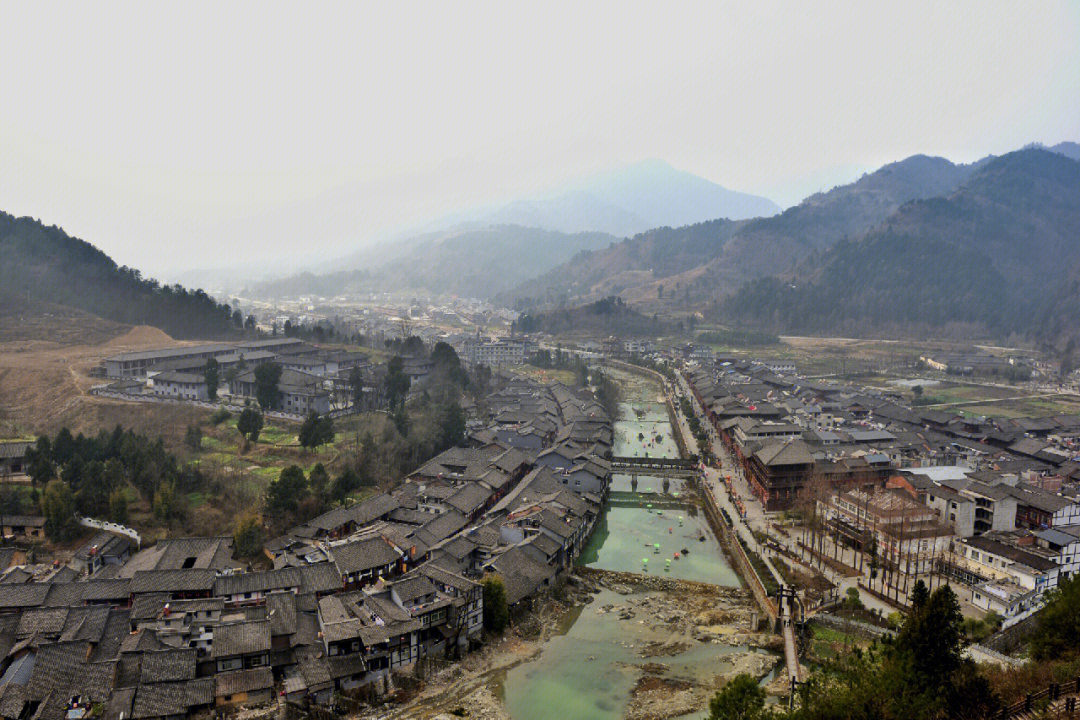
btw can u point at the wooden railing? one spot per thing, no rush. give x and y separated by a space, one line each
1045 697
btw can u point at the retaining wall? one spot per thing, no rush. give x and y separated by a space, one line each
726 535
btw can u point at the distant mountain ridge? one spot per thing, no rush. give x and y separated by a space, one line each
999 255
706 261
621 202
481 262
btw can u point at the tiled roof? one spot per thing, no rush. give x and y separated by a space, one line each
168 665
243 681
366 554
171 698
241 638
192 580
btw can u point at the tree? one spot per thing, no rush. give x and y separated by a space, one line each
741 699
1059 623
285 493
659 292
343 484
451 423
917 391
397 382
249 324
356 385
413 346
58 506
247 538
448 364
919 595
118 506
267 377
212 374
167 504
193 437
319 481
39 465
316 431
250 424
496 614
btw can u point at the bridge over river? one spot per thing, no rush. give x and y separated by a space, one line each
653 467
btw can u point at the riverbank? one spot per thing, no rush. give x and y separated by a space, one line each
663 645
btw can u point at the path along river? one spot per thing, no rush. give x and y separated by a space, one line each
590 668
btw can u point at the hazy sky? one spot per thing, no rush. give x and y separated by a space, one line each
193 134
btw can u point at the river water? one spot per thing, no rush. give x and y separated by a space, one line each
588 669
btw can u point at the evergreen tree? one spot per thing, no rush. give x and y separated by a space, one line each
58 506
496 613
250 423
267 377
284 493
212 374
741 699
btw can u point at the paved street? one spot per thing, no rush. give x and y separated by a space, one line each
756 519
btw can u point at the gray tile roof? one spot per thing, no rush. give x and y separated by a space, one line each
241 639
168 665
365 554
171 698
243 681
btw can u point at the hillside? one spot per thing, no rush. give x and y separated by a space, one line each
472 263
985 259
45 264
607 316
709 260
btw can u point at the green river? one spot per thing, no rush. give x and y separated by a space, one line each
590 666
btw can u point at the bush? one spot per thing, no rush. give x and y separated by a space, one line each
219 416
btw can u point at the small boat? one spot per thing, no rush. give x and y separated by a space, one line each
685 551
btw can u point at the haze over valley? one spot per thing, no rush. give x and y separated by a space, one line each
589 361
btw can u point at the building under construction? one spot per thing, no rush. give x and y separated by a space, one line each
887 528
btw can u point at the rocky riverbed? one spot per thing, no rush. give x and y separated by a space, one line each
664 629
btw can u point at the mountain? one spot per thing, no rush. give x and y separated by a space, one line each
998 255
575 211
665 196
1068 149
471 263
44 264
709 260
621 202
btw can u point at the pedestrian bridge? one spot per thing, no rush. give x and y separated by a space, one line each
656 467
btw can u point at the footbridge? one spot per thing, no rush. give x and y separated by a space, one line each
653 467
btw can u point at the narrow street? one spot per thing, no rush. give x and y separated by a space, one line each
756 520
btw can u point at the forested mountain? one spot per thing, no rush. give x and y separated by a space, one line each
708 260
470 263
1001 254
44 263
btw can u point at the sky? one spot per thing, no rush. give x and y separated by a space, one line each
242 135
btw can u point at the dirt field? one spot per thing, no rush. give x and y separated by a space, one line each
45 362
